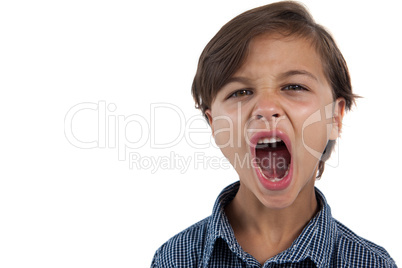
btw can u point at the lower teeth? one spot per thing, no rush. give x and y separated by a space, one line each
274 179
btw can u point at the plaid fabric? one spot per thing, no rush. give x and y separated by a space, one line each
324 242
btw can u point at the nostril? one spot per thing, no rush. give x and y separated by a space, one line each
258 116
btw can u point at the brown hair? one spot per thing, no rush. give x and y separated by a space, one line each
227 50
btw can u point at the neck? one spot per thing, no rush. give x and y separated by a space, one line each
265 232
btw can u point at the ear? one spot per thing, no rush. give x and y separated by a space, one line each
210 120
337 117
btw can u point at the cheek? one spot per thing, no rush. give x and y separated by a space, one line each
224 129
226 139
315 137
313 133
229 135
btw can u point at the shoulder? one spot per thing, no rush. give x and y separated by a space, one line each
184 249
353 249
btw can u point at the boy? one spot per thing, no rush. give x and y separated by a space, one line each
274 88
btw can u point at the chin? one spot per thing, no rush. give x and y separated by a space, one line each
277 199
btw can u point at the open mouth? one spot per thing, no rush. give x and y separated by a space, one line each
273 158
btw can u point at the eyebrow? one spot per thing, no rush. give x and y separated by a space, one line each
297 72
238 79
285 75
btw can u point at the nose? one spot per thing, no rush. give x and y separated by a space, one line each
268 106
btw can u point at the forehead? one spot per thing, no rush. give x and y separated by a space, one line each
275 53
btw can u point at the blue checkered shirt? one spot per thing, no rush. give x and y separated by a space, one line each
324 242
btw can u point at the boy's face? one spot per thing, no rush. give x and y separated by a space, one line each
273 119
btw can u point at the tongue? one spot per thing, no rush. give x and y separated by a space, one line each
274 162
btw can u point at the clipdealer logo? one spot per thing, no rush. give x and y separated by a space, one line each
113 132
113 129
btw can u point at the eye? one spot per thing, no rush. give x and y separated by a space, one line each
241 93
294 88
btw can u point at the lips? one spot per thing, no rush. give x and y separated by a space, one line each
272 159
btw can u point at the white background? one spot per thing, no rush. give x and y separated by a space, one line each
63 206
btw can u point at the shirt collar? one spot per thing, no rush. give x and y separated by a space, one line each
315 242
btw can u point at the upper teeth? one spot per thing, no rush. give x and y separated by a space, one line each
268 140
